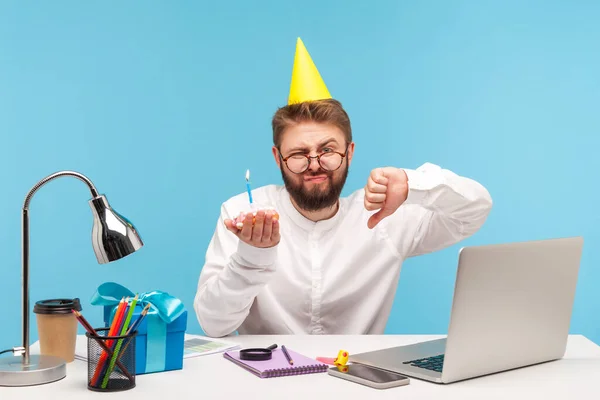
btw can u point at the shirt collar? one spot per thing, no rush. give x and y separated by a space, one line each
302 221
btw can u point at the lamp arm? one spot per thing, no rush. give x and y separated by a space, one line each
25 249
55 175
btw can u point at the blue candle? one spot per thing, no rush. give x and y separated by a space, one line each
248 185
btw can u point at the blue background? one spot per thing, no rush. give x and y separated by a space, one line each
165 106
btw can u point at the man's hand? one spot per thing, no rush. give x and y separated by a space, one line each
386 190
263 233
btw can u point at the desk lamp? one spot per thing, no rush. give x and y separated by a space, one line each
113 237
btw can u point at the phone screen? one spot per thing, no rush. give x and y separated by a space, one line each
372 374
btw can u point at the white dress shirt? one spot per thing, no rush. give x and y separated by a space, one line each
334 276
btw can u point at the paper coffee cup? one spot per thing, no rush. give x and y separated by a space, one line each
57 327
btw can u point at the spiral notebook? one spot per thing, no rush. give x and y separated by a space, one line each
278 364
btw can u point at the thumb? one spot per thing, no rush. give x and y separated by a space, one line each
377 217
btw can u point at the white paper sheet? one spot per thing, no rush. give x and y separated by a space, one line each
195 346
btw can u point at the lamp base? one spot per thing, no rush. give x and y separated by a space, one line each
40 370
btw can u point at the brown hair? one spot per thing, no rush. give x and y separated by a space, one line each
328 111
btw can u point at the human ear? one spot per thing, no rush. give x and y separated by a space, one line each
276 156
350 152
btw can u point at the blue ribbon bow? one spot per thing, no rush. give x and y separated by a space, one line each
162 305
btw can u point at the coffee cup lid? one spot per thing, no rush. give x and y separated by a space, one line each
57 306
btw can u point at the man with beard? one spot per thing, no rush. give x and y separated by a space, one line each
327 265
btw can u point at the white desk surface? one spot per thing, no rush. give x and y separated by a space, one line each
213 377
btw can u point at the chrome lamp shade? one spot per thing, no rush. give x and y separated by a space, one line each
113 237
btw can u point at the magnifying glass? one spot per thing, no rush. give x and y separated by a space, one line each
258 354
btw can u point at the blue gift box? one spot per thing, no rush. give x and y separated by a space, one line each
159 344
173 346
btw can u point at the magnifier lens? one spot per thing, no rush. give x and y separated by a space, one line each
257 354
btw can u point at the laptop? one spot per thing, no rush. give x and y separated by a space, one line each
512 308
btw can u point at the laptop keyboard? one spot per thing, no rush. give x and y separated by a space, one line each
434 363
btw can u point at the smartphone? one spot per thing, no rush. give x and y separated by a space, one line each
370 376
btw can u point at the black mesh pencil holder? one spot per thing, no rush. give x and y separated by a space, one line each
111 361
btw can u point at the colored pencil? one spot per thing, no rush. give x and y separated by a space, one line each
112 343
118 321
287 355
137 323
139 319
111 332
119 342
93 332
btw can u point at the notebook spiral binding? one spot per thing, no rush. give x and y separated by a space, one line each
273 373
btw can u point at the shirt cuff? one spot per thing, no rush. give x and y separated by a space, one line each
416 190
255 256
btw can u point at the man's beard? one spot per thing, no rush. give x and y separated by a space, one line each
315 199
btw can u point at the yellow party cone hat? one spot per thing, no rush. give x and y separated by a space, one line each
307 83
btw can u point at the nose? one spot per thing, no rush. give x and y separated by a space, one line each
313 164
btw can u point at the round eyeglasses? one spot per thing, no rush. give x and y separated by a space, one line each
329 161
